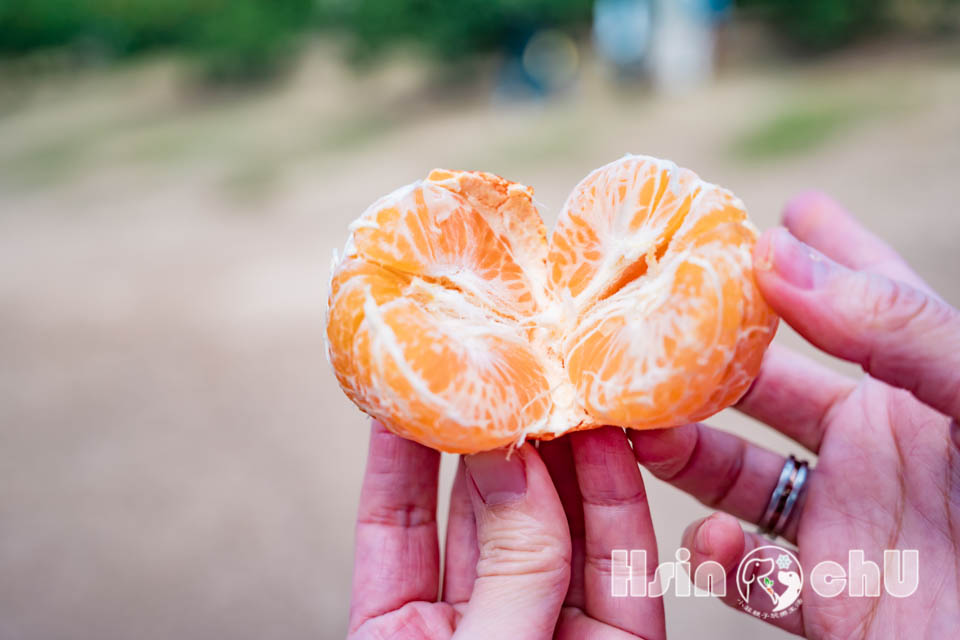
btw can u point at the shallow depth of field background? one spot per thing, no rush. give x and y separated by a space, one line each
176 460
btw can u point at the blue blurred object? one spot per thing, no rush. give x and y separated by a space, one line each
546 64
622 30
719 9
709 11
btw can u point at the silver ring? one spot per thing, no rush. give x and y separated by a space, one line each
785 497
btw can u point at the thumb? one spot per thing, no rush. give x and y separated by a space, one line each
523 570
896 332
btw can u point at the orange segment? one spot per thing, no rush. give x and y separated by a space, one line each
614 223
469 230
655 353
455 322
433 370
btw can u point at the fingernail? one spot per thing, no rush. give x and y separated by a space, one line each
499 479
795 262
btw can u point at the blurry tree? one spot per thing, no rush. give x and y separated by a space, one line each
824 24
238 35
249 39
231 39
244 39
821 24
448 29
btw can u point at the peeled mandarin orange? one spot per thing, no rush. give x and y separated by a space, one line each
454 321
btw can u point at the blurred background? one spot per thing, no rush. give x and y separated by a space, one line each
176 459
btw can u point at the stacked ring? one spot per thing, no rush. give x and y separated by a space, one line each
784 498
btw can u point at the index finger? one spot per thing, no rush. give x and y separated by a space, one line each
823 223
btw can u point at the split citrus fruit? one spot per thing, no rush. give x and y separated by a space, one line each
454 321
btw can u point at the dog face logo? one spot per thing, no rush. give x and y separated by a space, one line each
773 572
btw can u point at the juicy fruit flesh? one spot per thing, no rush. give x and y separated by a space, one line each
454 321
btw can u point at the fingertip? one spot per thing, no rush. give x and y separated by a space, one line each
722 538
718 538
532 462
511 477
542 499
538 475
763 250
690 533
389 453
782 257
596 446
662 450
808 209
606 468
499 476
381 434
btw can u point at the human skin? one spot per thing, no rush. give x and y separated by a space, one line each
529 537
888 469
527 549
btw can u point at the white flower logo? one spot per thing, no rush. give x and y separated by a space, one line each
784 561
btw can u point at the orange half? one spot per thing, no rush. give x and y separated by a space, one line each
454 321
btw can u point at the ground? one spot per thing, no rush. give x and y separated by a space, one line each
176 458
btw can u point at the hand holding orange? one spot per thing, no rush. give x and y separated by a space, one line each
454 321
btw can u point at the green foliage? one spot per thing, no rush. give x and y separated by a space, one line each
822 24
448 29
242 39
236 36
230 38
250 40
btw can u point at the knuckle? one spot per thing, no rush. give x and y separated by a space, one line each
512 555
521 546
896 306
730 471
614 496
404 515
668 462
892 324
887 306
602 565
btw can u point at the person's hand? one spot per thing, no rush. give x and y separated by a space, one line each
511 568
888 473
